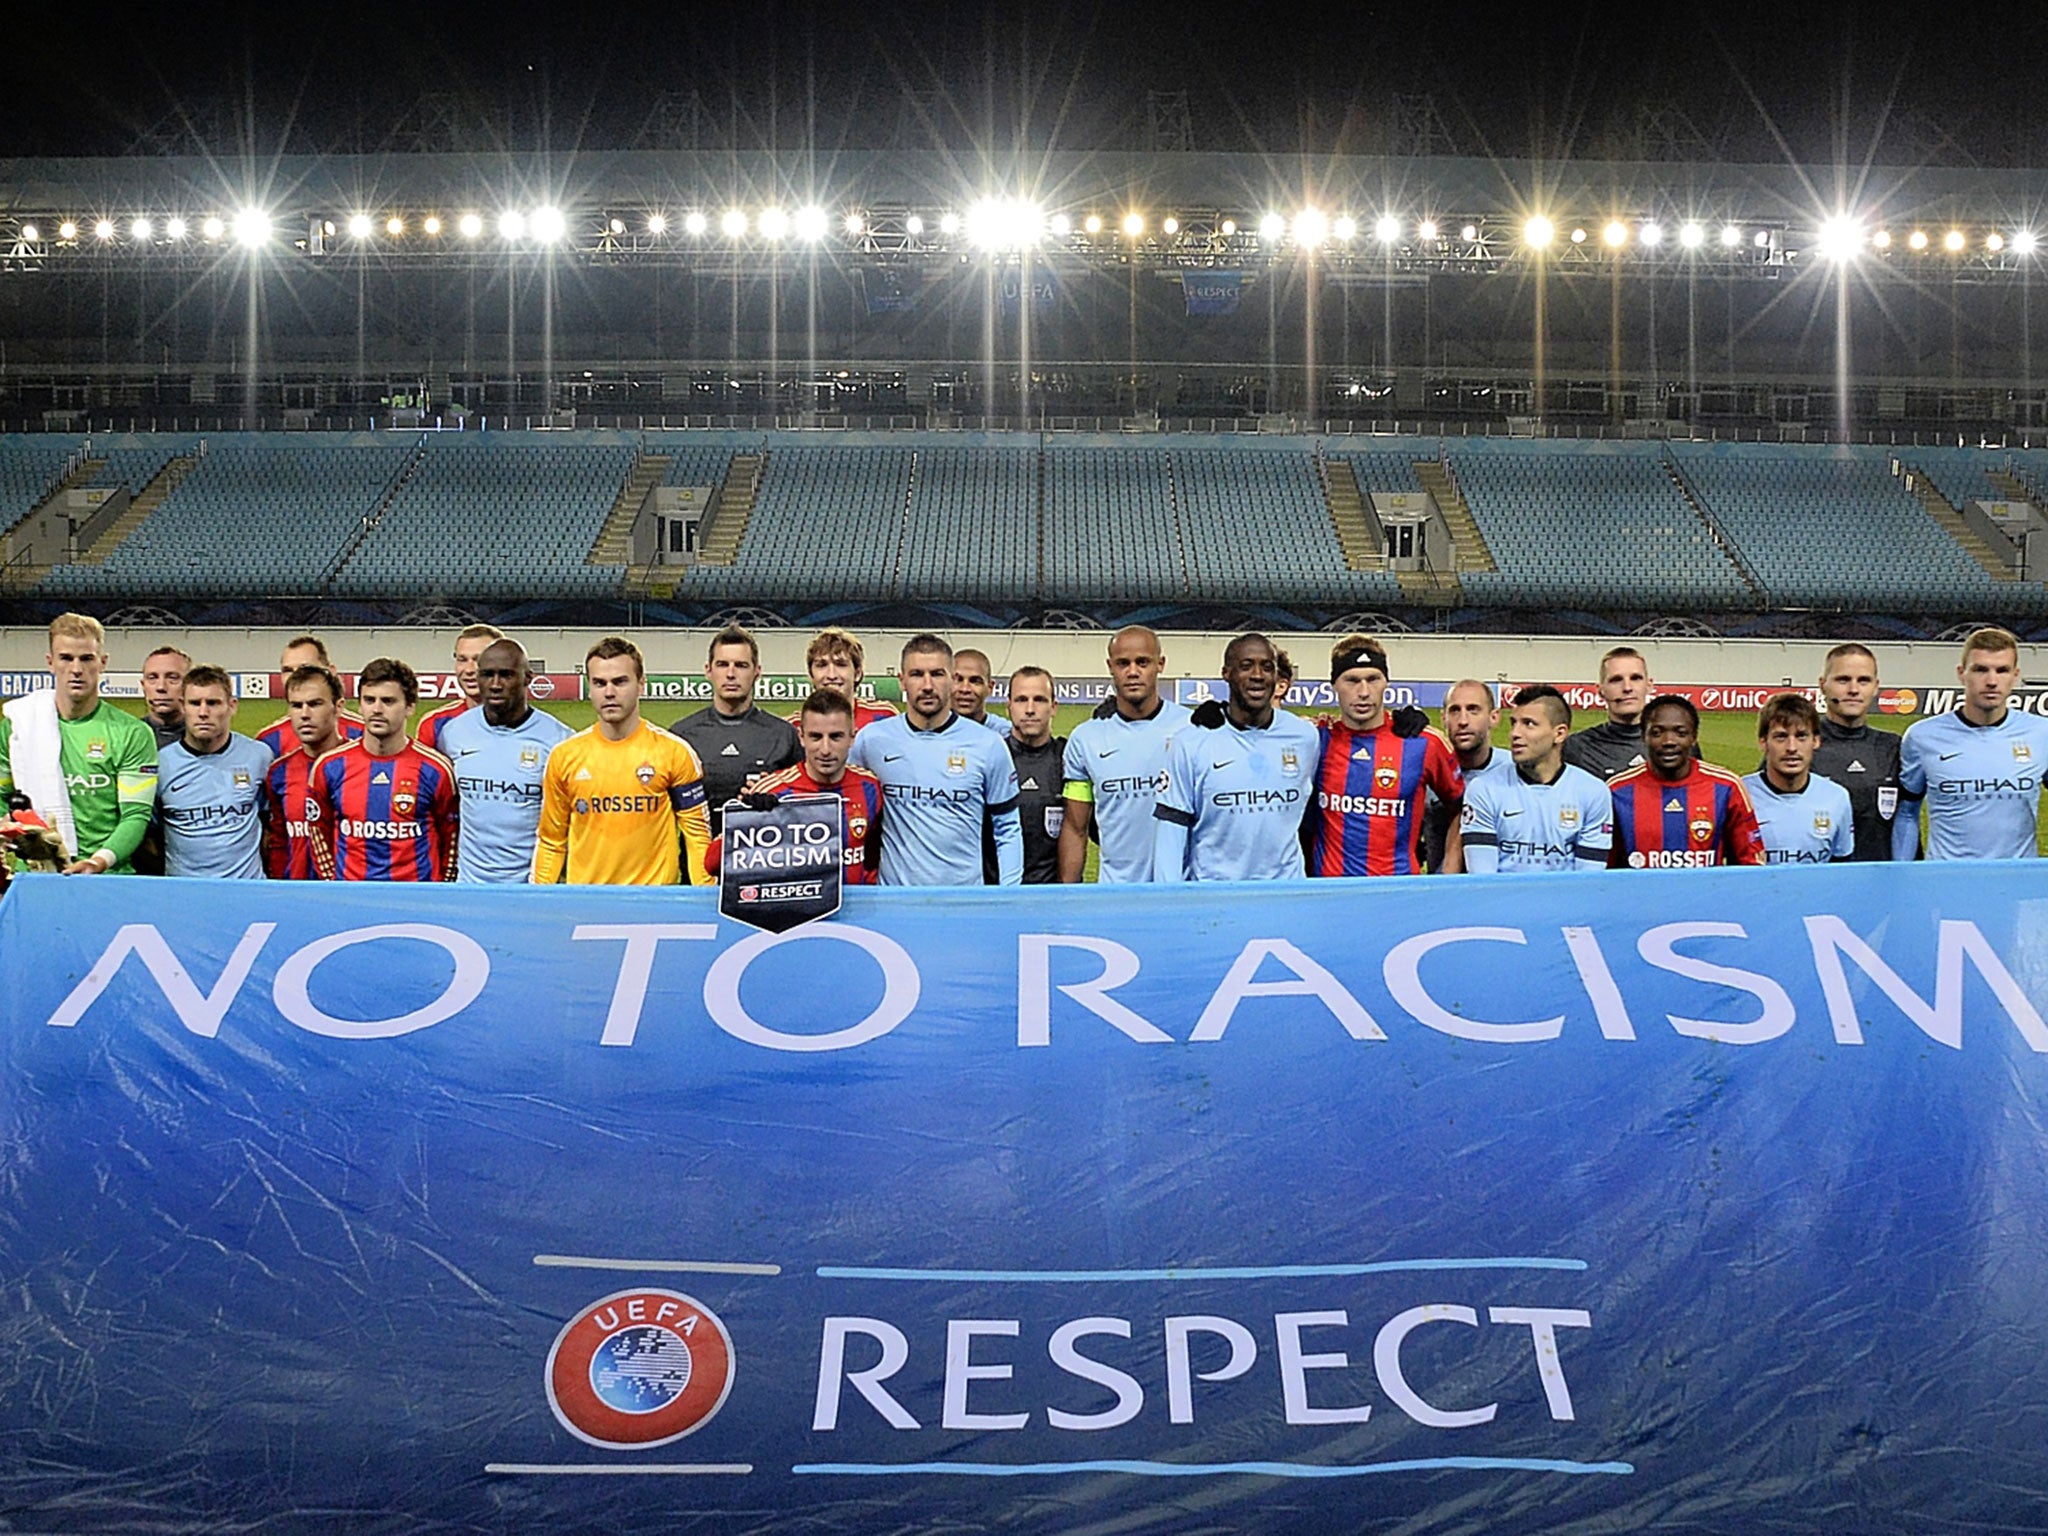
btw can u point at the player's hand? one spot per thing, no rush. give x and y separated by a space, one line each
1208 715
1408 721
92 866
759 800
1105 709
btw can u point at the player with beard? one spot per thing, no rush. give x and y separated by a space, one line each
825 727
383 808
1470 716
1116 761
1545 815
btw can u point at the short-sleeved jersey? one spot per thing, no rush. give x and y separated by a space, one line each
435 721
210 805
997 723
1233 801
860 796
283 740
1514 824
1815 825
1982 783
1371 787
1118 766
1702 820
1439 814
1040 810
382 818
627 812
941 786
287 834
1864 760
498 772
108 760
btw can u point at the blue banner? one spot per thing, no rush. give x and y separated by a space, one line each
1590 1203
1211 293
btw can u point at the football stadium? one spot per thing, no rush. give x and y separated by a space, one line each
1214 827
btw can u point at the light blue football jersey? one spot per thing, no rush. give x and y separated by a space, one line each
210 806
1514 825
1119 766
938 789
1981 783
1815 826
498 772
1233 801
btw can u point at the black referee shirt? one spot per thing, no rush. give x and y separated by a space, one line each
1864 760
736 748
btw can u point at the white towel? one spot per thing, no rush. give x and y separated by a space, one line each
33 757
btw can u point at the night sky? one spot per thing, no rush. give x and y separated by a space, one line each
1948 84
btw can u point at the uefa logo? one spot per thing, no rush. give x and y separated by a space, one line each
638 1369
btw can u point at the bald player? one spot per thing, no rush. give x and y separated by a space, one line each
1115 762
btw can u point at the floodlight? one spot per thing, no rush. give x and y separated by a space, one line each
1346 228
213 229
1061 225
2024 241
327 228
1272 227
471 226
773 223
1093 223
252 227
1761 239
174 229
949 223
1171 226
1134 224
1578 236
394 226
855 224
1311 228
1917 240
1882 239
141 229
512 225
1615 234
30 232
1426 230
432 225
1953 240
616 226
1229 228
695 223
1730 235
1651 233
549 225
733 224
913 226
359 226
810 224
67 231
1469 233
1994 241
1691 236
103 229
657 224
1388 229
1538 231
1839 239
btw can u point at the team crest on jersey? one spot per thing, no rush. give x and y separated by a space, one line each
241 778
1567 816
1703 831
529 757
1290 760
95 751
956 763
2022 753
1386 780
403 802
638 1369
1823 824
644 773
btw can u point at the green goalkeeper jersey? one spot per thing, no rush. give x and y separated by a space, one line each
109 763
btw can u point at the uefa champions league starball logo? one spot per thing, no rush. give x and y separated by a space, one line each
638 1369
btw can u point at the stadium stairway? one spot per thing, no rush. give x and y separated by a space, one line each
1943 511
375 515
1347 511
614 542
1722 541
1466 539
2013 488
732 509
146 501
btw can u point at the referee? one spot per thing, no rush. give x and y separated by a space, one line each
736 739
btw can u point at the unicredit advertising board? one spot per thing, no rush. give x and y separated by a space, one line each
1713 1201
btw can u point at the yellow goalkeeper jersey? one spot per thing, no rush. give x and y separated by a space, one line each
625 812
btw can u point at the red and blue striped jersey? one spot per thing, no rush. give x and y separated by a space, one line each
1371 790
283 740
861 814
287 849
435 721
1701 820
382 818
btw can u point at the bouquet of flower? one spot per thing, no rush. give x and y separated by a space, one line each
28 843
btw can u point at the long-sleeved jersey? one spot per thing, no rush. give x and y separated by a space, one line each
1698 821
860 812
1370 790
382 818
627 812
108 760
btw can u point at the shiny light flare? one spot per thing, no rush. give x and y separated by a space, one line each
1229 228
1651 234
949 223
174 229
471 225
141 229
1387 229
1092 224
2024 241
1060 225
432 225
1469 233
811 225
732 224
913 226
1345 228
252 228
549 225
212 228
67 231
1614 233
1171 226
1538 232
1882 239
1761 240
1578 236
103 229
1917 240
359 226
855 224
512 225
1691 236
657 223
1311 228
1840 239
1005 224
1952 241
616 226
1134 224
1994 241
1730 235
1426 230
695 223
773 223
30 232
1272 227
394 226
